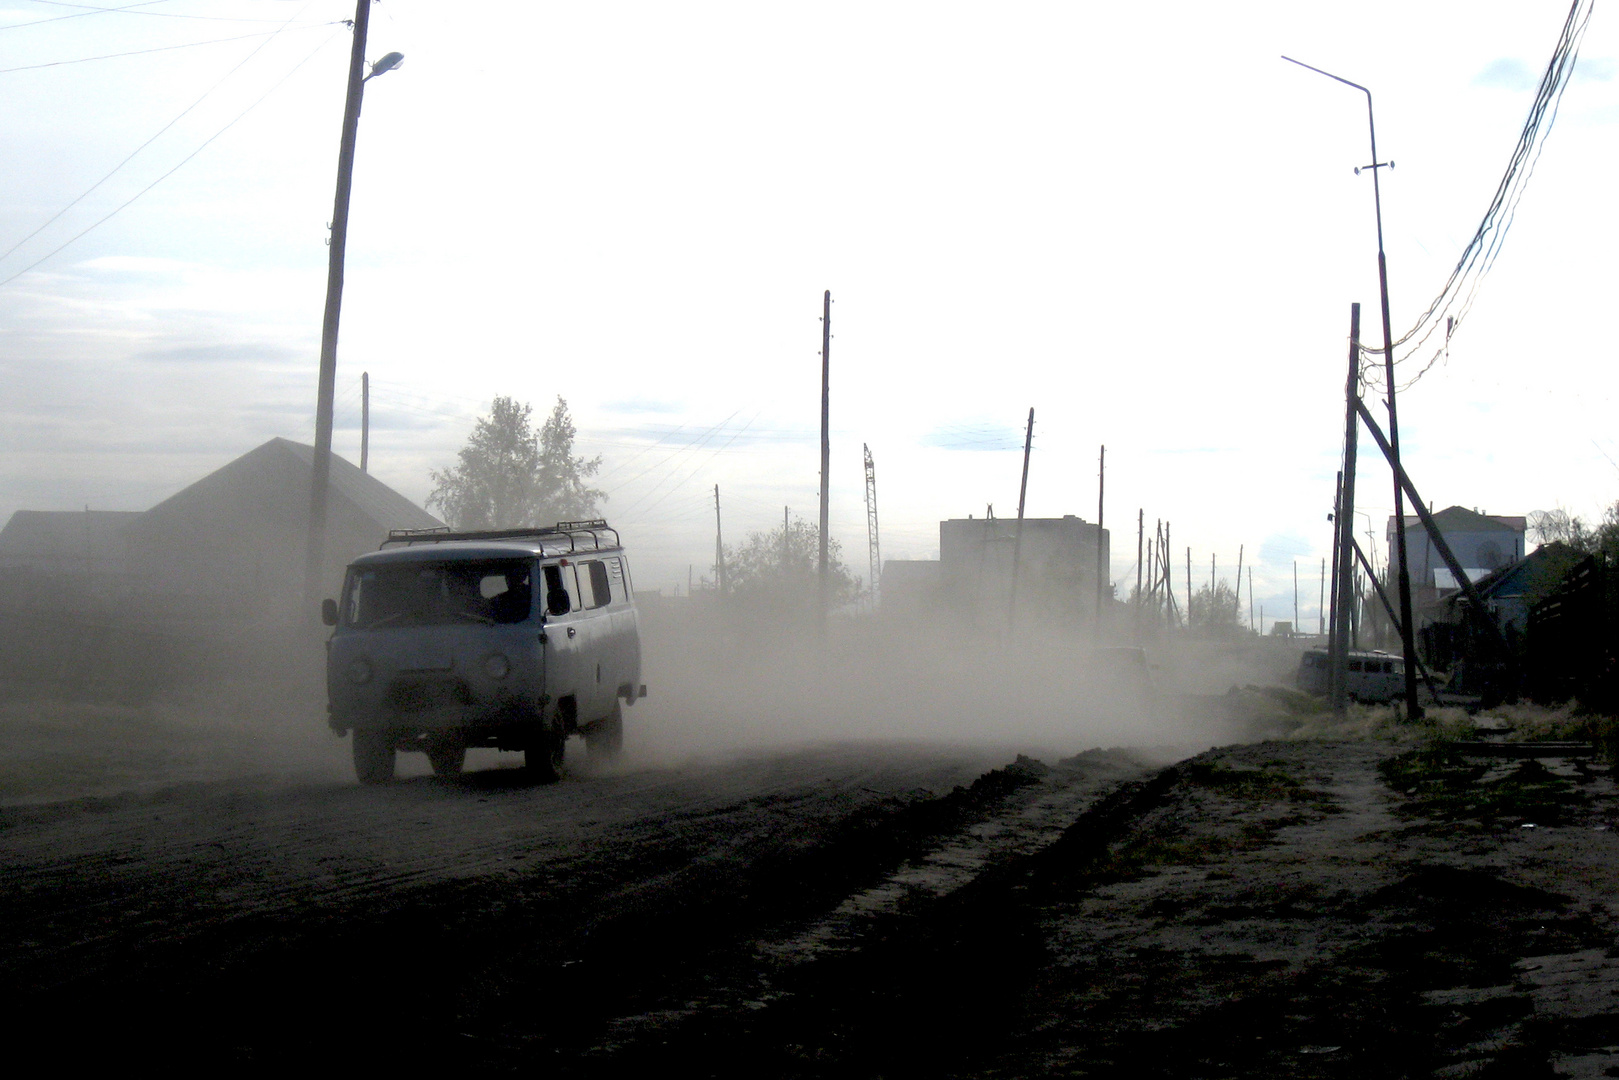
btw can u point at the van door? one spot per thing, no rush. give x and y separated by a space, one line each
563 643
598 663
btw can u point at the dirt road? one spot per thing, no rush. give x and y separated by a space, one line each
1386 905
488 921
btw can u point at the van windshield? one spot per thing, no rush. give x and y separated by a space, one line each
486 591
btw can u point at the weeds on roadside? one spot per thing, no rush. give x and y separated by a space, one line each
1444 785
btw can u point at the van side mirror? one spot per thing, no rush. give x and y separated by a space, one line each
328 611
557 602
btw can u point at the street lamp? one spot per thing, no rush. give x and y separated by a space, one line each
315 551
1407 637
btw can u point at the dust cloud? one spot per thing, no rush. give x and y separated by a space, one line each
719 686
96 710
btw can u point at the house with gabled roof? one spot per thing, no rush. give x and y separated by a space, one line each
231 545
1482 543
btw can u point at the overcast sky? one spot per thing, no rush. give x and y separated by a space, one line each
1137 219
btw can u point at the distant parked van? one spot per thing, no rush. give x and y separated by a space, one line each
513 639
1372 676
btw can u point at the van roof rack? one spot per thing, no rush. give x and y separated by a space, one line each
591 535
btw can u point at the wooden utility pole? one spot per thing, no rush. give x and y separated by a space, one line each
1236 593
1164 551
1321 603
1101 552
315 547
1250 599
1345 533
719 549
1295 596
826 445
1141 536
786 532
1188 588
1017 536
365 421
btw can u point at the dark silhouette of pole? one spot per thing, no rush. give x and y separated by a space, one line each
1188 588
1017 535
1407 629
1141 536
1251 600
826 443
1342 628
1236 593
315 549
719 548
365 421
1295 596
1101 555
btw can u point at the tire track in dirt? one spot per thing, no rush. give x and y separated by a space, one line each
136 909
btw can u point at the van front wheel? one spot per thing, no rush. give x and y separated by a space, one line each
373 756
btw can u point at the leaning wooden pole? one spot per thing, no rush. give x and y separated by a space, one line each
1017 540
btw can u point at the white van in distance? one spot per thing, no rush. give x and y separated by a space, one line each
513 639
1372 676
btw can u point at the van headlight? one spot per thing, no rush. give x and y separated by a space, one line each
360 672
497 666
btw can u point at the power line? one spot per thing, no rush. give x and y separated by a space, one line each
118 209
131 156
165 48
79 14
127 9
1455 300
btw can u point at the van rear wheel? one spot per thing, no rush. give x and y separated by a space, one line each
604 740
543 755
447 756
373 756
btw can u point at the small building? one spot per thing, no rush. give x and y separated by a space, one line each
1056 561
85 544
231 545
910 586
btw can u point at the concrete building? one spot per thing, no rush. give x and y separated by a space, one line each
1056 567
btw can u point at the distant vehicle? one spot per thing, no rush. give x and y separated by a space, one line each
513 639
1372 676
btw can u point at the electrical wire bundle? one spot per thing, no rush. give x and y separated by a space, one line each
1455 300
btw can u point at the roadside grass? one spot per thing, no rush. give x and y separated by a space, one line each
1267 799
1443 785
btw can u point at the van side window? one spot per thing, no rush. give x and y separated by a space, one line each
601 588
1355 665
562 577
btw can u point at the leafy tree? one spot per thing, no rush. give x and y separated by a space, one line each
510 476
1215 610
781 568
